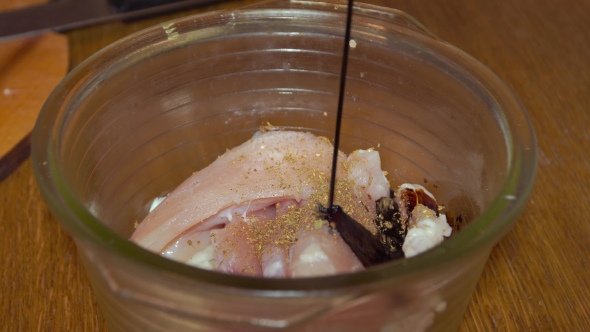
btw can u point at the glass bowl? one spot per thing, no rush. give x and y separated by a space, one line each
135 119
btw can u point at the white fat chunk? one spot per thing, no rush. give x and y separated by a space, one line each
427 233
204 258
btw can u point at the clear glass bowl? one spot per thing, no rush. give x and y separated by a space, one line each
135 119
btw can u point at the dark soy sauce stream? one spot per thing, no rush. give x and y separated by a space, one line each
368 248
340 101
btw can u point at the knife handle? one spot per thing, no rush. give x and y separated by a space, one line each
124 6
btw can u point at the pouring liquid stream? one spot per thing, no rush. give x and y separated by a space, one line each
368 248
340 101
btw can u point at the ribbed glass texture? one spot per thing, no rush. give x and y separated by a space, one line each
138 117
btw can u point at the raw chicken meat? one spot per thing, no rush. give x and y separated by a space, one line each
322 252
426 227
254 210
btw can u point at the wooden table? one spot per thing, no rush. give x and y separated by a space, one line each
538 277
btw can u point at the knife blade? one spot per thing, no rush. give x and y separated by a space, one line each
72 14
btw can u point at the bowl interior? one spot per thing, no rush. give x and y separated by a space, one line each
134 120
152 114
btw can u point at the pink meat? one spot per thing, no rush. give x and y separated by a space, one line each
181 249
364 169
187 245
206 220
322 252
233 253
275 262
272 166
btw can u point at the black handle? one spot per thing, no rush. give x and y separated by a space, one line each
125 6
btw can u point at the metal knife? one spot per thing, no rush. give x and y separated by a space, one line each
63 15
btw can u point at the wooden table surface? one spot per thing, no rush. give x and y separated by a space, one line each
538 276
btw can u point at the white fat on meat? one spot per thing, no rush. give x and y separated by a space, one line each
321 252
156 202
425 229
274 262
426 234
364 169
204 259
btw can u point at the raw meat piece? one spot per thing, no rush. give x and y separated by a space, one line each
322 252
253 210
426 227
364 168
270 167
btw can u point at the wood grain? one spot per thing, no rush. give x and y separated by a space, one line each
538 276
43 285
6 5
30 68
